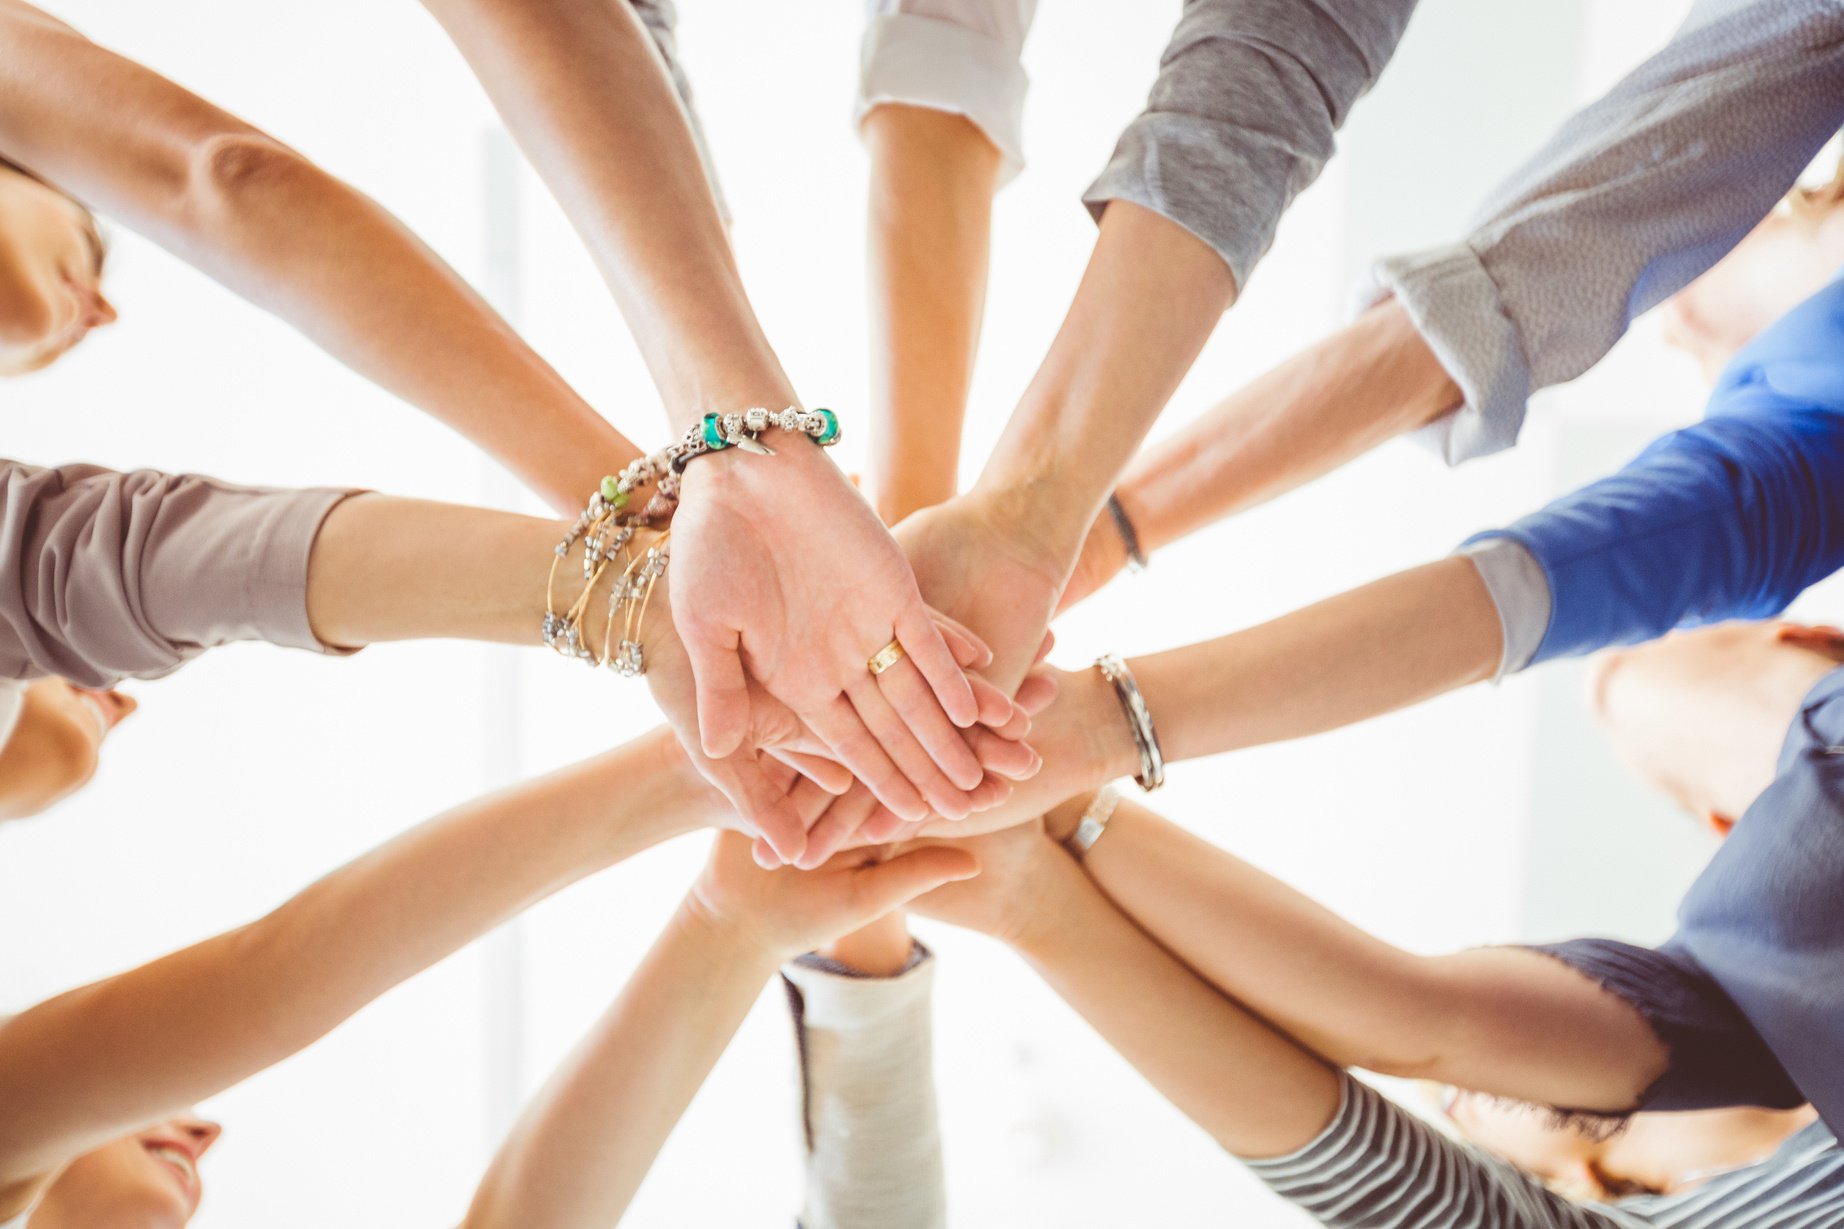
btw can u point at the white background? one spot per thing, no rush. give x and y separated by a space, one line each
1487 816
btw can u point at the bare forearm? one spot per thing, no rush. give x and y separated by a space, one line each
1387 645
582 1148
1350 997
581 86
1369 382
1500 1021
932 180
1255 1091
387 569
93 1063
1150 298
296 241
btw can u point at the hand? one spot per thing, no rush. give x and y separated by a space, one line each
785 912
856 818
977 560
785 576
1084 741
1004 899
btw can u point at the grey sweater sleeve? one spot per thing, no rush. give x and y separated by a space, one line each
868 1096
106 576
662 21
1632 199
1242 117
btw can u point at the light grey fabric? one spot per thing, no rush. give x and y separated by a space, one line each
1242 117
868 1097
959 56
106 576
1634 197
1379 1167
662 21
1520 592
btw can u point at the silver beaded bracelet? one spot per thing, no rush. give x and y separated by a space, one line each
1139 719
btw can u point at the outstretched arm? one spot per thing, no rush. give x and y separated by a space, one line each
1317 1137
88 1065
294 240
1670 161
576 1157
1499 1020
761 592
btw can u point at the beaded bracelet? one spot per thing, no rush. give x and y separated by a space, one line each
608 522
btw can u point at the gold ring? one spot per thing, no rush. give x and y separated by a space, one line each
886 657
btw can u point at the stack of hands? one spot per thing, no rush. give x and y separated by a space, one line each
764 667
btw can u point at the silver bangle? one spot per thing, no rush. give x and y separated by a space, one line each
1094 822
1139 719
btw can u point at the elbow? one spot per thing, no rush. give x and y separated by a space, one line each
228 172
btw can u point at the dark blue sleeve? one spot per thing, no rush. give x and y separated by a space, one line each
1732 518
1765 920
1717 1058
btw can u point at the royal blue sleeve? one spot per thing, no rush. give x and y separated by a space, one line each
1731 518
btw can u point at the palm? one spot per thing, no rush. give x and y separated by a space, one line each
785 579
992 901
972 570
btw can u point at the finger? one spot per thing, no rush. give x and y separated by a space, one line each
997 712
885 827
840 825
883 886
900 744
764 808
1004 756
810 802
917 633
967 634
992 791
830 775
966 653
839 725
1043 650
1036 693
722 691
765 855
945 747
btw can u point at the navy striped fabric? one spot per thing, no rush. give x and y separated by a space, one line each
1379 1167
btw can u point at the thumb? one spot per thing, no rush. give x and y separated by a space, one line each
722 691
890 885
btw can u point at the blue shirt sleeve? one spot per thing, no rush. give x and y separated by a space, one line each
1731 518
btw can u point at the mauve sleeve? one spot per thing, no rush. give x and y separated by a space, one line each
106 576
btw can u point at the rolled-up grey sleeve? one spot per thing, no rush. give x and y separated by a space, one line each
959 56
106 576
1249 97
662 21
1632 199
868 1096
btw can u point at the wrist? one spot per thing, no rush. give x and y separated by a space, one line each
1045 919
881 949
1109 748
727 942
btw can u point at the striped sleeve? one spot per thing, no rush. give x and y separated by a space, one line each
1379 1167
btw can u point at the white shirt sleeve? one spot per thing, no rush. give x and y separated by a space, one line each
960 56
871 1123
